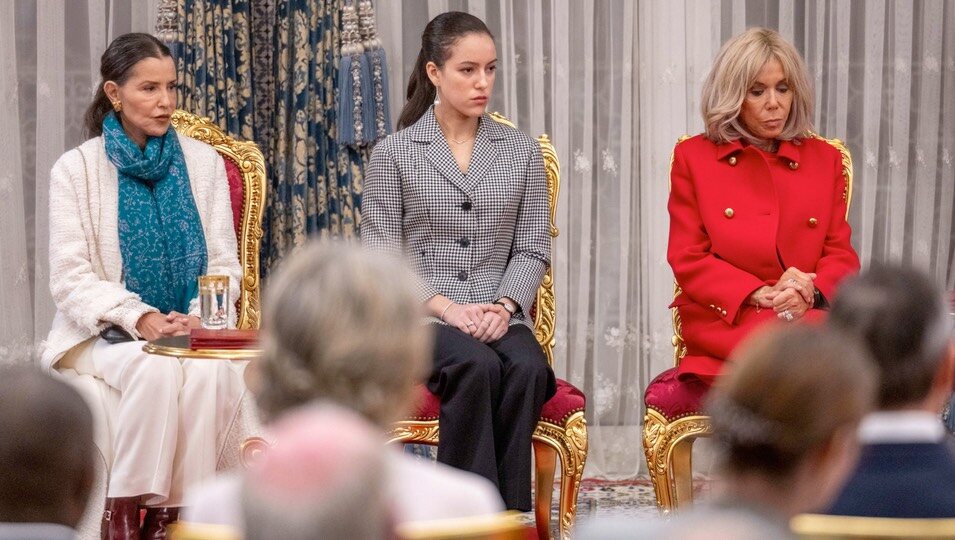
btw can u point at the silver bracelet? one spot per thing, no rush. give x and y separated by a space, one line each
451 303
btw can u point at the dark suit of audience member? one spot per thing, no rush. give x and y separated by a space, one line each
46 456
907 465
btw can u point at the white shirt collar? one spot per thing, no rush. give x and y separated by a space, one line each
901 427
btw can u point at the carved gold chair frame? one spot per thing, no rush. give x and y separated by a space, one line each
668 444
567 442
248 158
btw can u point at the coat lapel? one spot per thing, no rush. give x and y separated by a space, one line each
426 130
485 152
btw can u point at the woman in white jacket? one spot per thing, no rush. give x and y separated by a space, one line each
137 213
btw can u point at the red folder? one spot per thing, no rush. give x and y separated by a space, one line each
201 338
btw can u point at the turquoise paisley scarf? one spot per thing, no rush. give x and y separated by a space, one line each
160 234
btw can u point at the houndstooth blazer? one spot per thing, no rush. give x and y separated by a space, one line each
473 237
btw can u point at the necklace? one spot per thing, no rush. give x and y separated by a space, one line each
450 138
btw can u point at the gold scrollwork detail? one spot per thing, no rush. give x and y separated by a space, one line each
847 173
660 439
545 317
552 168
248 158
570 441
411 432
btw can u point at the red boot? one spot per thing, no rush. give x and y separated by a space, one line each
121 519
157 522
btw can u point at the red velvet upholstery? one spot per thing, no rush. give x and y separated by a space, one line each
236 191
565 402
675 398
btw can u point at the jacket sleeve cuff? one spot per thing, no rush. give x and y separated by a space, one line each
521 285
424 290
127 314
731 301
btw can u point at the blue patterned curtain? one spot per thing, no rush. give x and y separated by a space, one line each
267 70
316 187
212 54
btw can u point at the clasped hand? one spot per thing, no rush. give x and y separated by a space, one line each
483 322
155 325
790 297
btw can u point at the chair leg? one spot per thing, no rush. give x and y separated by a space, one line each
545 465
654 428
682 470
573 457
570 444
669 449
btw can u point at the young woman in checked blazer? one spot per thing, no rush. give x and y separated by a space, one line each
465 199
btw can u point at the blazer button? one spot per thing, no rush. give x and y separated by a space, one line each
464 242
813 222
729 213
732 161
724 312
462 276
466 206
793 165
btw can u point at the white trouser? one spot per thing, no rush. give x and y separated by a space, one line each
171 414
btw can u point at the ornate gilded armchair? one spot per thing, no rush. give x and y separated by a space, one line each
675 417
562 431
245 168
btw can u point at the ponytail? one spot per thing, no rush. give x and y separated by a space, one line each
96 112
421 93
436 41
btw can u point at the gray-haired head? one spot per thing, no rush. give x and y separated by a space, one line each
901 316
342 324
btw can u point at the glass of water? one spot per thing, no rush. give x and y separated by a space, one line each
214 302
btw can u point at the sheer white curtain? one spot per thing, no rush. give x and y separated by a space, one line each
49 50
615 82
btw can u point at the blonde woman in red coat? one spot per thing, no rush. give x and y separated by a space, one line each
757 207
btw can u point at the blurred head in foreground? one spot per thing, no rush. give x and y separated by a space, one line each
341 325
785 418
323 478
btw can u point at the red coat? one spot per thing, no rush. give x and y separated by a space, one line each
738 218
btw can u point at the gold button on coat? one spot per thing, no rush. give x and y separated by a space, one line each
724 312
732 161
728 213
793 165
813 222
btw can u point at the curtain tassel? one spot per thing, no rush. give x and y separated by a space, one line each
353 64
376 116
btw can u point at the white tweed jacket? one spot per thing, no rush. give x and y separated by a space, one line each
86 266
472 237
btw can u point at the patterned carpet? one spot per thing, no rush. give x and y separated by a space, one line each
598 498
614 498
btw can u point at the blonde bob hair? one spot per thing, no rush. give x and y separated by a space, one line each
341 325
735 70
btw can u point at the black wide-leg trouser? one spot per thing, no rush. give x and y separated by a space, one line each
491 399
